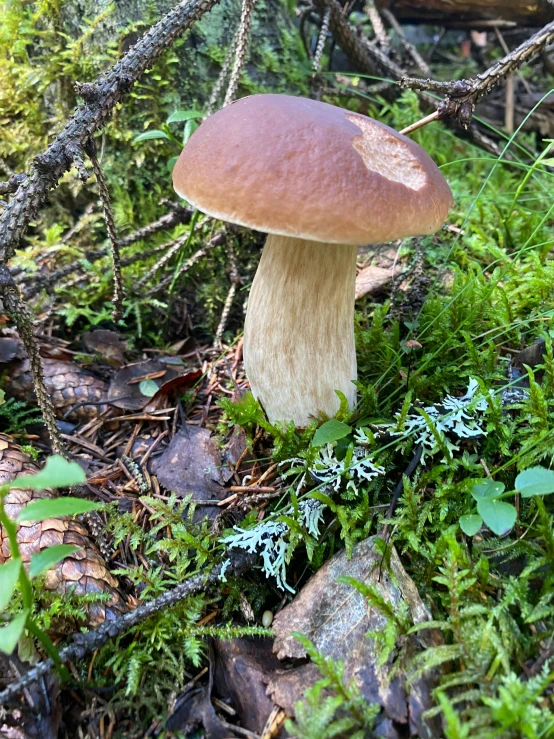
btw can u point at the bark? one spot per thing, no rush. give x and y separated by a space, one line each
531 12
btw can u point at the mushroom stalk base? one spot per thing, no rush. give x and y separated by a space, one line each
299 329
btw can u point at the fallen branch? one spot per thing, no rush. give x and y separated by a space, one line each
83 644
462 96
100 99
365 56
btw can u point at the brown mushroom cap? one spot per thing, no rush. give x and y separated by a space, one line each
302 168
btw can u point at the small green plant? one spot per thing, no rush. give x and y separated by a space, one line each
346 713
57 473
498 515
190 119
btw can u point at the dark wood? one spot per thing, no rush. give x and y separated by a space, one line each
530 12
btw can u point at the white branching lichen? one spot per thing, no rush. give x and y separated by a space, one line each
267 540
436 427
454 418
332 471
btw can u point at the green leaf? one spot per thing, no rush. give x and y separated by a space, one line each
9 574
189 129
535 481
499 516
156 133
40 510
56 473
2 397
487 490
171 163
9 634
184 115
49 557
148 388
330 431
471 524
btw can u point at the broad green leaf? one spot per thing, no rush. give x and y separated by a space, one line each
330 431
40 510
471 524
156 133
9 574
2 397
171 163
56 473
148 388
499 516
10 633
184 115
487 490
535 481
49 557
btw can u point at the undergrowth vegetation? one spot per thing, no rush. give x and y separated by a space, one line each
487 292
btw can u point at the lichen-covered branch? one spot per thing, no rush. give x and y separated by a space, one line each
83 644
100 99
462 96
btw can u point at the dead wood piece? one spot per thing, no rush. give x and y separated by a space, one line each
446 12
83 572
243 668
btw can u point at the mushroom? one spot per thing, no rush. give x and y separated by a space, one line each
319 180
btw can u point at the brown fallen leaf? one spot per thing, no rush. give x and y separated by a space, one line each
243 668
192 464
372 278
124 392
84 571
110 345
337 619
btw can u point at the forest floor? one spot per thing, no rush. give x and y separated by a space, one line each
323 609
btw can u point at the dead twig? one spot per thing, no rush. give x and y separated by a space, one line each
243 35
110 227
100 99
462 96
83 644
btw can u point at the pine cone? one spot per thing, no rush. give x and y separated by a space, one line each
67 384
85 570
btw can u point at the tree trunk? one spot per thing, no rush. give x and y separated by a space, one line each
531 12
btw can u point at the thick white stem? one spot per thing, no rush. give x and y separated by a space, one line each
299 329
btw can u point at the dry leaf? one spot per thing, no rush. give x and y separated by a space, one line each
192 464
370 279
337 619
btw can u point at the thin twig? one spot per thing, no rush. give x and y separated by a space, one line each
410 48
21 316
110 228
377 24
243 35
419 124
235 282
323 32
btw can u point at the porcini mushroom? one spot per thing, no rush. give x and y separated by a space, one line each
319 180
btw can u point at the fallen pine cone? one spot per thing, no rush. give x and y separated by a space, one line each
67 383
84 571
